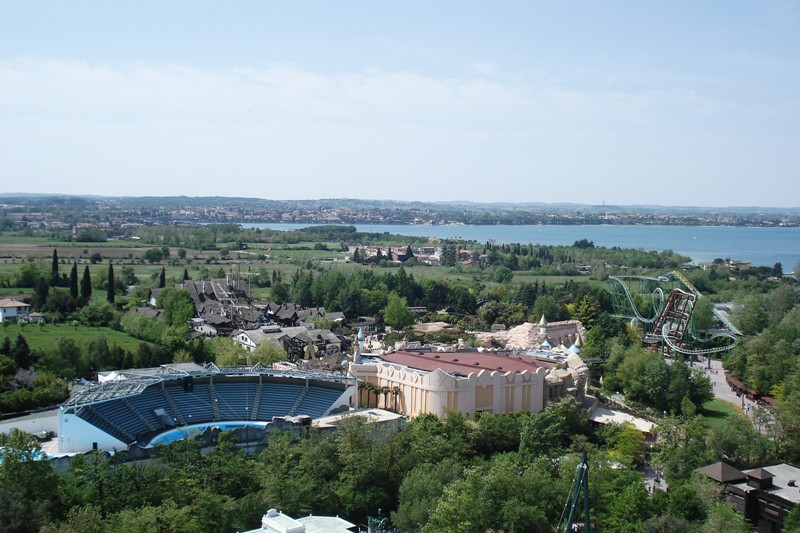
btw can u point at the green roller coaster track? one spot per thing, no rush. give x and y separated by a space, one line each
643 300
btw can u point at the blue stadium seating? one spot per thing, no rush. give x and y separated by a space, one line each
129 417
317 401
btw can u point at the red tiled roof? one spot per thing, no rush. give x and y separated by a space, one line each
8 302
465 363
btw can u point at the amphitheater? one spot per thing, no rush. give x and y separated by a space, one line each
153 406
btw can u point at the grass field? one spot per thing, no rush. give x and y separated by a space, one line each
46 337
16 250
716 412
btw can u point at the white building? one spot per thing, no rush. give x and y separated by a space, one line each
12 310
277 522
468 382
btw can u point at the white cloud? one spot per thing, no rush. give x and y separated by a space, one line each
162 128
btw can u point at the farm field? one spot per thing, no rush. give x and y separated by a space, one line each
46 337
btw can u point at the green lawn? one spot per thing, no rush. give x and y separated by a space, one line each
46 337
716 411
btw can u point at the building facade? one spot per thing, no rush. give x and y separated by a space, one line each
13 310
468 382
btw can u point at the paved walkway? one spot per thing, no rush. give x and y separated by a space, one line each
654 479
722 390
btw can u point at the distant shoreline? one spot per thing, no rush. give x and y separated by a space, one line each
762 246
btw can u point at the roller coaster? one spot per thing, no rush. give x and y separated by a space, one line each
663 308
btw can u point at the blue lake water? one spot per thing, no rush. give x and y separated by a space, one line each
761 246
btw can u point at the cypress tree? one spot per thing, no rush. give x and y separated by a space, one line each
73 281
42 290
54 271
110 290
5 347
21 353
186 274
86 284
162 279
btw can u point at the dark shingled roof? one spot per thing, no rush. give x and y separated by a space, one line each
722 473
759 473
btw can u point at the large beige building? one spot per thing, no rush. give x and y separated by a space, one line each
469 382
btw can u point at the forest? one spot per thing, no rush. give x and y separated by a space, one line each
491 472
487 472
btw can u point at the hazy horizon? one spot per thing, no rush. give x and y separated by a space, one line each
14 194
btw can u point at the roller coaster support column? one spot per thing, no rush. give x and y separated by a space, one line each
582 483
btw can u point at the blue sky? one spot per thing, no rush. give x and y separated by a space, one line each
678 103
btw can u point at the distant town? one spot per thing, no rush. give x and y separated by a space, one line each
58 212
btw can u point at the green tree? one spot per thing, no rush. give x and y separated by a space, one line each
361 487
498 496
497 433
780 301
21 352
86 284
684 502
753 317
54 277
396 312
280 292
420 491
553 429
449 255
587 311
682 447
703 313
26 483
545 305
162 278
226 352
299 477
723 517
153 255
667 524
40 297
787 414
629 510
625 443
165 517
129 276
27 275
510 314
111 286
73 281
64 360
791 524
82 519
98 314
267 353
178 306
740 442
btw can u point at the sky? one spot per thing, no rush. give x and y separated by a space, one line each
637 102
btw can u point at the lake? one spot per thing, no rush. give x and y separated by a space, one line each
761 246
